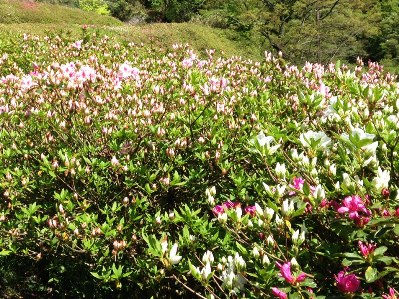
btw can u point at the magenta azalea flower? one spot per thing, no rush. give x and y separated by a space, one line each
217 210
297 183
355 207
220 209
366 249
285 272
347 283
251 210
279 293
391 294
231 204
352 205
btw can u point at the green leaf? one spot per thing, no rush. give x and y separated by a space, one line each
5 252
371 274
387 260
306 189
346 262
351 255
380 251
241 248
96 275
295 296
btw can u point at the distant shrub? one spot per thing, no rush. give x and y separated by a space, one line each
98 6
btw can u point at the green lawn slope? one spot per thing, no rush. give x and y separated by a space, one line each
29 11
18 17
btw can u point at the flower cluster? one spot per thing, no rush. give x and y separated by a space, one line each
122 162
356 209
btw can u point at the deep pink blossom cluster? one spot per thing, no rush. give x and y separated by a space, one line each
285 272
391 295
227 205
366 249
347 283
356 209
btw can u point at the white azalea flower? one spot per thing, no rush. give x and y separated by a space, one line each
208 257
288 207
319 192
269 212
281 170
173 257
309 138
164 245
259 209
370 148
206 271
265 260
358 133
381 181
266 141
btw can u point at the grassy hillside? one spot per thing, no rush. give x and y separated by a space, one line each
25 11
18 17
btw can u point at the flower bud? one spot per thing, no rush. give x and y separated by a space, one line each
294 263
294 154
259 209
280 190
279 221
269 213
287 208
270 240
333 169
255 252
238 213
239 263
250 224
280 170
295 237
222 218
208 257
265 260
220 267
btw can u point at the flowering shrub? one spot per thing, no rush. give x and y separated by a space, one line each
141 172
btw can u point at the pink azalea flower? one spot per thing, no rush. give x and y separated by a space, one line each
230 204
297 183
391 294
285 272
385 213
362 221
347 283
218 210
355 207
279 293
352 205
366 249
251 210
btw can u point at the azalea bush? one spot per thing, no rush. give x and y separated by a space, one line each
141 172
